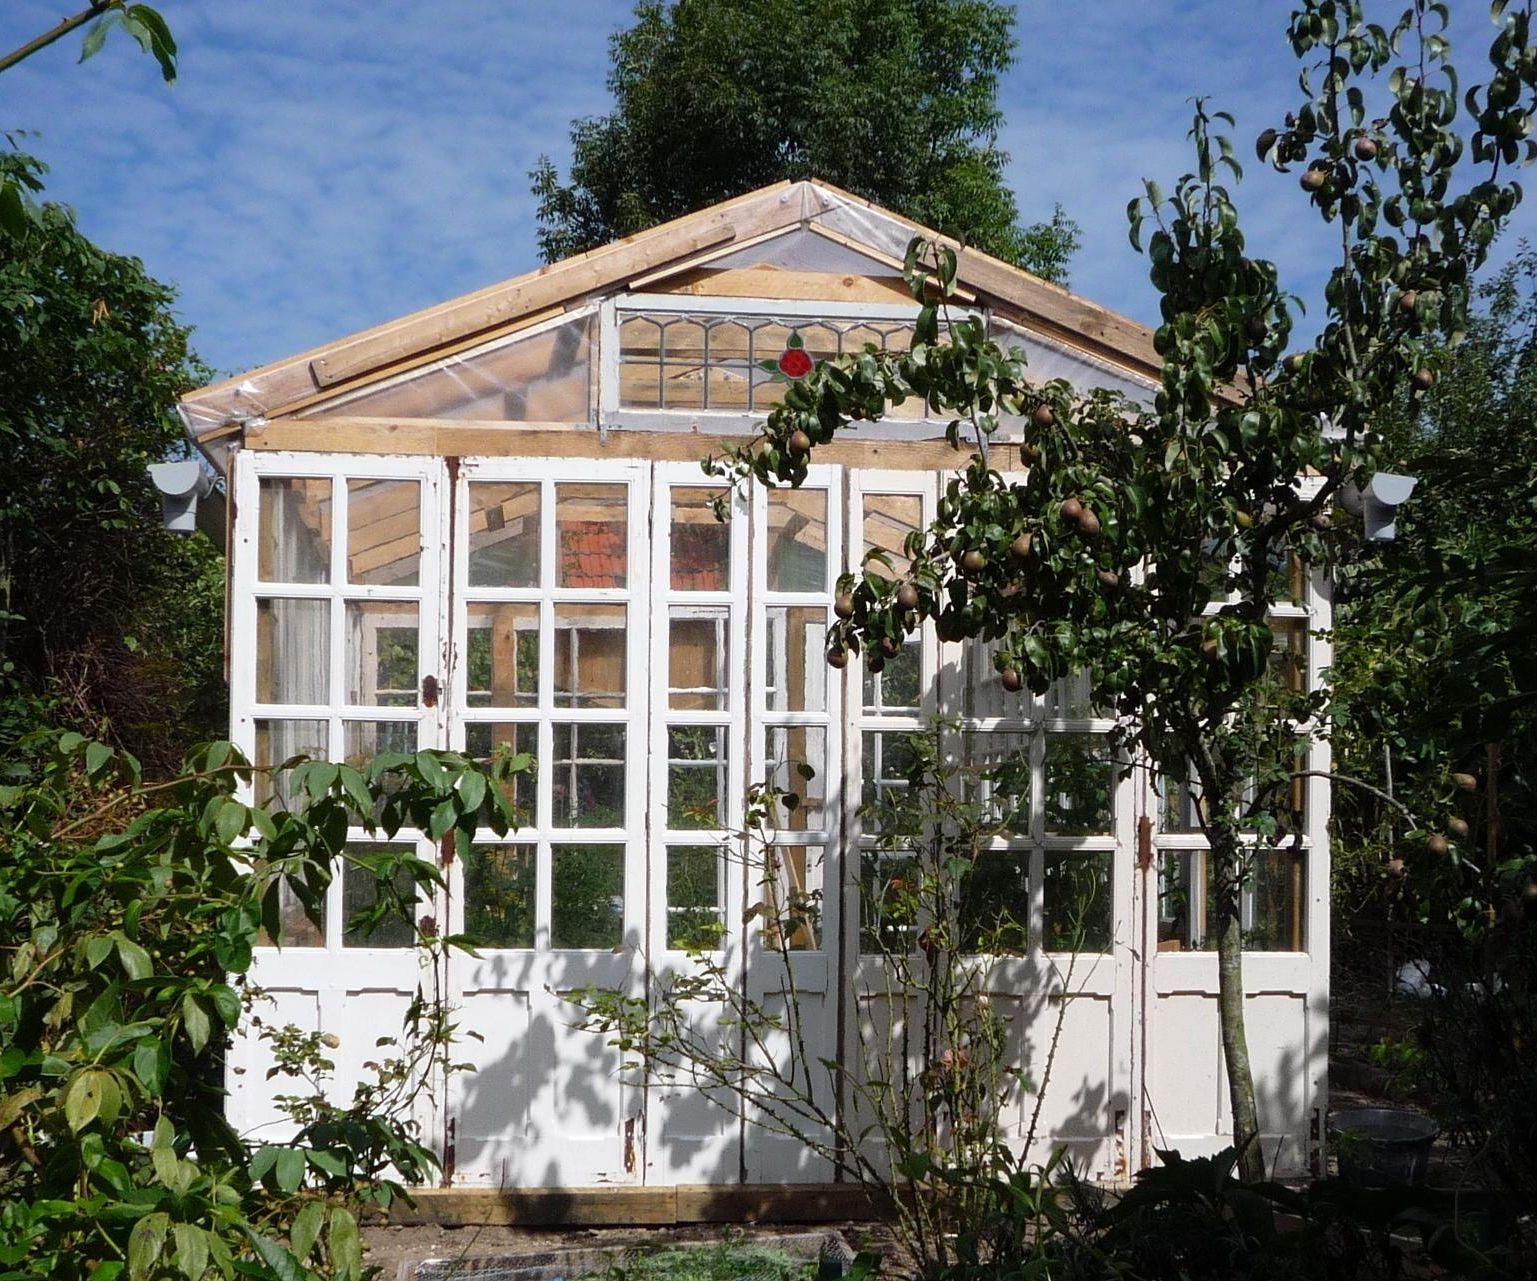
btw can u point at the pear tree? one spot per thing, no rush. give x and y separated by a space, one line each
1147 543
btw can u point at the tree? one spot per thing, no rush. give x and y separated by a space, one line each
895 100
1148 545
102 614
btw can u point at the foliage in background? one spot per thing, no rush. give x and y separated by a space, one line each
1148 545
105 618
127 909
893 100
1436 633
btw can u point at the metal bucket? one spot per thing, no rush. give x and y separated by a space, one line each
1382 1147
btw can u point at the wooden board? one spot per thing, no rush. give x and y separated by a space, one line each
618 1206
557 440
775 282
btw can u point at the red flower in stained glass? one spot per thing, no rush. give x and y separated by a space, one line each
795 363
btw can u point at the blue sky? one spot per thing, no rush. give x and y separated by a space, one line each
320 167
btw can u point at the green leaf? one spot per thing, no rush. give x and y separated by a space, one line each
194 1021
136 962
306 1228
191 1250
283 1264
145 1243
97 36
83 1097
346 1246
290 1168
97 757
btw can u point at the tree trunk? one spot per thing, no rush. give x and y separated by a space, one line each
1227 884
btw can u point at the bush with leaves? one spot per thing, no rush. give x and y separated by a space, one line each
126 910
1148 544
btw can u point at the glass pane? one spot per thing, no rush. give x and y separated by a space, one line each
499 895
1181 901
640 345
504 534
792 751
1069 699
278 741
889 519
998 774
1288 578
697 651
793 884
995 904
587 896
897 690
295 929
384 532
363 740
361 891
696 776
701 545
1078 902
590 655
293 651
1078 785
983 695
1289 655
889 758
502 655
1179 794
591 530
797 540
587 776
1275 902
888 902
295 530
695 918
382 653
797 661
481 741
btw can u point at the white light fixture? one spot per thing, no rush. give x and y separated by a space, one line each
180 485
1377 505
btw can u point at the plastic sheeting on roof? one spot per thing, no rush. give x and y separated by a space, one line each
539 377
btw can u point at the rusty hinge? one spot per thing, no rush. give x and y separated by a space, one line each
446 851
450 1152
429 691
1144 842
629 1145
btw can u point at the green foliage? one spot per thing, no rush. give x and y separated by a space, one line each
896 102
127 909
1148 544
103 616
725 1261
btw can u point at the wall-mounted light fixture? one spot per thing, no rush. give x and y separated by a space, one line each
181 485
1378 503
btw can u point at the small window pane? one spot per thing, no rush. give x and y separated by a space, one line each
994 916
481 741
696 776
295 530
1289 653
591 527
793 751
590 655
587 896
587 776
888 902
361 891
998 774
382 653
695 918
700 544
889 758
897 689
502 655
295 929
888 520
1078 785
1071 699
504 534
794 884
278 741
1273 906
1179 794
499 896
1078 902
363 740
384 532
697 652
293 651
1275 902
983 695
1181 901
797 660
797 540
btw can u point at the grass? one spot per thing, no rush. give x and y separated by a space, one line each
727 1261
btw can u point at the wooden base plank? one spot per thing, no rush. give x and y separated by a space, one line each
636 1206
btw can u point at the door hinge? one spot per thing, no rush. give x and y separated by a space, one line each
429 691
1144 842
